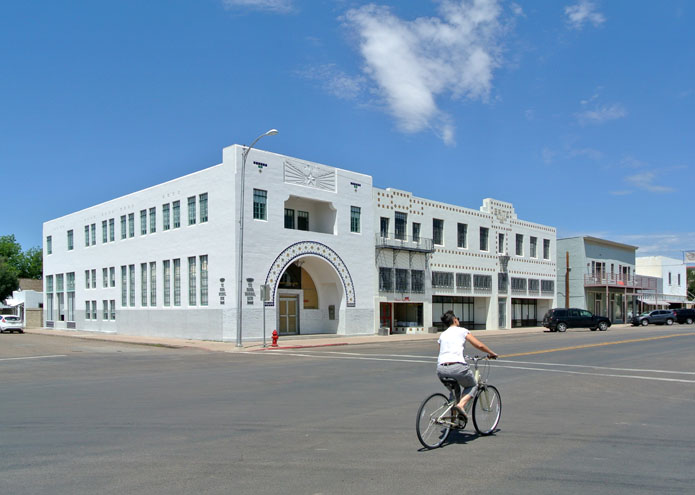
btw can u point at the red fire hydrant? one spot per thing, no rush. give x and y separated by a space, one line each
275 339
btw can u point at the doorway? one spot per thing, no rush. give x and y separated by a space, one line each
288 316
502 312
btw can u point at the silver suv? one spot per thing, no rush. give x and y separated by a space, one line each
658 316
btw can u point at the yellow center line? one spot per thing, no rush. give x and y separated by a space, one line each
571 348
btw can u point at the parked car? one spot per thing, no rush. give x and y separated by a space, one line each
560 319
683 315
657 316
10 323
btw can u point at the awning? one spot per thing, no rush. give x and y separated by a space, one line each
660 302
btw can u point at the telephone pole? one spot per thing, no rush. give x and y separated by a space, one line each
567 279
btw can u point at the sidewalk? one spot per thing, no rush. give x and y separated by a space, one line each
284 342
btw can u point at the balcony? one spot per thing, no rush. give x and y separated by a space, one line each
637 282
406 243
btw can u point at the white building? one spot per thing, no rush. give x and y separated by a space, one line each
163 261
673 281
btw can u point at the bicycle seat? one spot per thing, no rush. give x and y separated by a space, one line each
449 383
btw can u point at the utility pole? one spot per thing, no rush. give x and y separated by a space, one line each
567 279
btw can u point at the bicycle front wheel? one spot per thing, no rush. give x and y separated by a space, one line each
431 431
487 409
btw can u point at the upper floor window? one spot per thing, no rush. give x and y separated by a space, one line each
302 220
112 229
104 231
500 243
416 232
519 245
191 211
355 212
546 249
123 227
94 233
462 235
438 231
49 245
166 217
153 220
669 278
533 241
86 236
384 227
289 218
70 241
143 222
401 225
177 214
484 232
131 224
260 200
203 205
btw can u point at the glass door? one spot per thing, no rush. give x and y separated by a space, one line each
288 316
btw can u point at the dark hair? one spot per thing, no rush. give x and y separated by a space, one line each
448 318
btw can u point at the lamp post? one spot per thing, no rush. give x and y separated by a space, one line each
240 247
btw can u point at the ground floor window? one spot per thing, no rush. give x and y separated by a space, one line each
407 314
524 313
461 306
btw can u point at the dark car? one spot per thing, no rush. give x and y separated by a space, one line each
683 315
657 316
560 319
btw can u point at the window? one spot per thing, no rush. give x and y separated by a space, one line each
461 235
177 214
417 281
93 228
71 296
143 284
669 278
444 280
260 199
191 281
94 310
533 285
105 305
416 232
191 210
289 218
518 284
548 286
112 307
123 229
94 278
87 310
385 279
355 212
384 227
112 276
87 283
500 243
131 284
400 225
463 281
112 229
203 205
438 231
679 279
49 298
401 280
302 220
104 232
502 282
153 283
177 282
60 297
153 220
104 278
484 231
166 217
167 282
143 222
482 282
124 286
70 241
519 245
86 236
49 245
131 224
533 241
204 280
546 249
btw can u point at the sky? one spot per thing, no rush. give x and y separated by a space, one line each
578 112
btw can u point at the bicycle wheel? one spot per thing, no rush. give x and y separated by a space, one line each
430 431
487 409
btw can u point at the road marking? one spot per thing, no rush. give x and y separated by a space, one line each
655 378
33 357
603 367
585 346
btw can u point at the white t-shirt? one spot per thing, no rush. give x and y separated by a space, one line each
451 345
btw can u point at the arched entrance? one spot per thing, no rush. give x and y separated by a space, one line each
310 288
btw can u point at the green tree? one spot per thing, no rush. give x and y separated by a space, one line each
8 279
691 282
28 264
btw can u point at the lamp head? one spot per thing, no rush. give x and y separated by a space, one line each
271 132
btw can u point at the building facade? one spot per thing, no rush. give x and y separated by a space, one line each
602 277
672 277
330 253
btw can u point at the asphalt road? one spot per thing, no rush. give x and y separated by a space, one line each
583 412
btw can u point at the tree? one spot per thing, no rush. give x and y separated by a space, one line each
8 279
28 264
691 282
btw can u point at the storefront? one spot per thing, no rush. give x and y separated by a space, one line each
524 313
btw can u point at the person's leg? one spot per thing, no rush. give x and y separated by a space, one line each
467 382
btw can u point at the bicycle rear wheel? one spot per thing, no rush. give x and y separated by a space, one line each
487 409
430 431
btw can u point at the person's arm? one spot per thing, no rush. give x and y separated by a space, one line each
479 345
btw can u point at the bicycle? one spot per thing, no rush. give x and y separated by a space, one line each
436 418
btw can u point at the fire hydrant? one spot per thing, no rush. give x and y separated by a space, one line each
275 339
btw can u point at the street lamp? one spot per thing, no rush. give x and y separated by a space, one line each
240 248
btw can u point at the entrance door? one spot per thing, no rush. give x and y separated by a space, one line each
385 320
502 323
288 316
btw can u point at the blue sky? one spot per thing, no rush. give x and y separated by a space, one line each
580 113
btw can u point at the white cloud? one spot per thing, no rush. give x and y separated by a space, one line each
414 62
276 6
583 12
646 181
335 81
602 114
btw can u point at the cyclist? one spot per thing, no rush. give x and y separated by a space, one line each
451 362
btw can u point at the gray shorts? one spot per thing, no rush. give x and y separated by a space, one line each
462 374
